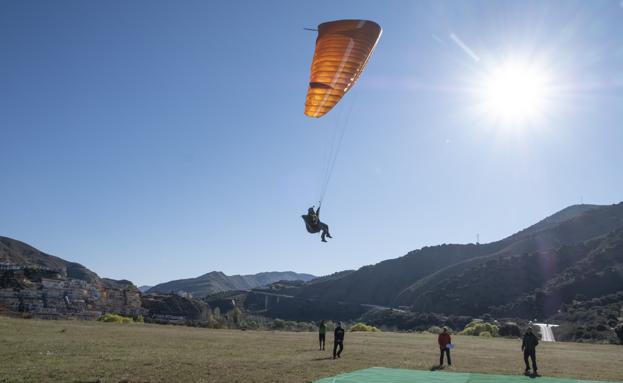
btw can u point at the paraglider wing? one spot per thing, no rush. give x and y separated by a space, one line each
343 48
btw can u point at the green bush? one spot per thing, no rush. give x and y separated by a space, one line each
486 334
139 319
434 329
216 313
278 324
363 327
250 325
476 327
236 315
290 325
114 318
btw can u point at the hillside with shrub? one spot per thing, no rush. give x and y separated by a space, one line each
507 277
597 319
567 267
574 255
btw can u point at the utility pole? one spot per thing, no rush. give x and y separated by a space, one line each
477 239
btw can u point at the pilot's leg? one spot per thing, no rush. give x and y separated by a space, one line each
325 231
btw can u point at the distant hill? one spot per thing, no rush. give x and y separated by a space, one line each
37 284
19 253
531 260
216 281
144 288
567 267
557 218
568 253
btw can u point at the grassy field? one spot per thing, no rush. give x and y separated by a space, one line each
77 351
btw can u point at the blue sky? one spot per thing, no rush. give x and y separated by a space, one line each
153 140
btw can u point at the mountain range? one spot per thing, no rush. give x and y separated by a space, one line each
568 265
578 250
144 288
216 282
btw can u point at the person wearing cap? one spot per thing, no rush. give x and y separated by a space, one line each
338 340
528 346
444 341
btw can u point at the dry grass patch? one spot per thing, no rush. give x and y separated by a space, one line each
76 351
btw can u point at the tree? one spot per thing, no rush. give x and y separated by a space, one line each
236 314
510 329
619 332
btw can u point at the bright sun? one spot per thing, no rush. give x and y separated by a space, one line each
515 93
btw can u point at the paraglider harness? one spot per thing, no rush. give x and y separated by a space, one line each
312 220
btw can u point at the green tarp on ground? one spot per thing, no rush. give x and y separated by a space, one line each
395 375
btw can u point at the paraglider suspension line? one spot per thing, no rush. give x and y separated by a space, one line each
336 144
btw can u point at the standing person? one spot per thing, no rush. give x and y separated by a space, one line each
444 341
338 340
528 346
322 331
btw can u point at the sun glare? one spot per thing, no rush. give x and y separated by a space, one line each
514 93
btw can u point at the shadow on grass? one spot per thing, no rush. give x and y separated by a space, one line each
325 358
532 376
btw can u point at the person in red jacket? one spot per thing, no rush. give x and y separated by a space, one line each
444 346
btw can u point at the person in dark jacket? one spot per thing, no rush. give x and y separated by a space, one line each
322 331
528 346
444 341
338 340
314 225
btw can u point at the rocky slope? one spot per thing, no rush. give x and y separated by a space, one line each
37 284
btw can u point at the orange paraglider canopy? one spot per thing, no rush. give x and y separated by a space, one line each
343 48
